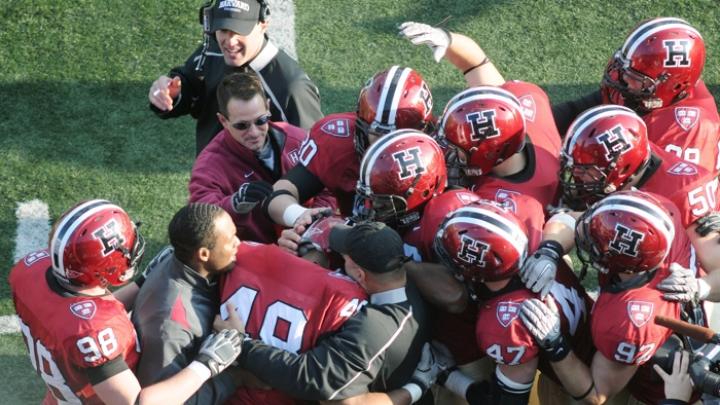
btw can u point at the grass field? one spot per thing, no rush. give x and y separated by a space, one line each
74 75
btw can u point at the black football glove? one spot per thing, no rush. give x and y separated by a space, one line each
249 195
708 223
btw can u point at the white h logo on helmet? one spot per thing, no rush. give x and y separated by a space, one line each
677 53
614 142
472 251
626 240
410 163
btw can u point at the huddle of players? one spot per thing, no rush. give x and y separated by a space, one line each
472 196
634 172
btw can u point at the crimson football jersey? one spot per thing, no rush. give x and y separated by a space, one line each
65 333
502 335
632 337
456 331
540 177
286 302
691 188
329 154
690 129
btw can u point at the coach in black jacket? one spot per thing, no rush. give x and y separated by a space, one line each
377 349
237 41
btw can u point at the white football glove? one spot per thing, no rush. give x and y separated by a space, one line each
437 39
543 322
681 285
219 350
539 270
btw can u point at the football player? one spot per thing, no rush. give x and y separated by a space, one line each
79 337
330 157
606 149
287 302
485 245
631 236
656 73
501 134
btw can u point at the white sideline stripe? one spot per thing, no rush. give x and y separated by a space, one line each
282 25
33 227
9 324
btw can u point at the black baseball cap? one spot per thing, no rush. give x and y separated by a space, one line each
372 245
238 16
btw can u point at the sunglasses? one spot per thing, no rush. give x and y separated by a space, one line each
244 125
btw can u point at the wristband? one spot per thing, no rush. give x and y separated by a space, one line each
266 202
200 369
703 289
553 245
563 218
292 213
458 383
589 390
414 390
483 63
558 351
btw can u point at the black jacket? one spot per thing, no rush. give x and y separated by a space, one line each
294 98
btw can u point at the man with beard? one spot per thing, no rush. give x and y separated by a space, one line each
177 303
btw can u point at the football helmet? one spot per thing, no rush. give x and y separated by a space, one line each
95 244
482 242
398 174
480 128
437 208
605 147
392 99
626 232
659 64
317 238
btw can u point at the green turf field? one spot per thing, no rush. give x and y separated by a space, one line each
74 75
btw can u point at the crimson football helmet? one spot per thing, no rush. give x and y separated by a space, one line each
317 238
393 99
398 174
482 241
95 244
480 128
626 232
437 208
605 147
659 64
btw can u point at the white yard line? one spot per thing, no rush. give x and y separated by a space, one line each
282 25
33 228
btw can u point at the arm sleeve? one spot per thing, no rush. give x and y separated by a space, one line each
305 181
303 105
167 353
566 112
190 90
340 366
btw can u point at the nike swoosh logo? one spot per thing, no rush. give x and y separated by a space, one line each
248 174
